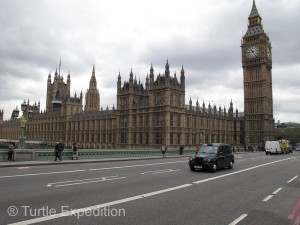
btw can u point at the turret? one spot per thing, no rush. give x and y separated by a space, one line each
49 78
1 116
151 74
69 84
147 82
131 77
167 70
119 82
93 81
92 97
182 77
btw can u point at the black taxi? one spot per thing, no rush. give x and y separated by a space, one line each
212 157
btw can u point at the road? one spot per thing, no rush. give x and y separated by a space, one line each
259 189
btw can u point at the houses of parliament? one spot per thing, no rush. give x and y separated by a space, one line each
155 113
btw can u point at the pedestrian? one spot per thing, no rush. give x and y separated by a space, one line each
11 152
75 152
181 150
56 151
163 150
59 147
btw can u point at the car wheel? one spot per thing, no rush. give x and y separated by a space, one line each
214 168
192 168
230 165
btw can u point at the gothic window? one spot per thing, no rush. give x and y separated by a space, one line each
123 136
158 138
141 121
178 138
158 119
158 100
147 138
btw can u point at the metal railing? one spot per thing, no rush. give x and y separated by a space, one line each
48 154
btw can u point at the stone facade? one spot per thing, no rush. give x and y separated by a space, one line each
154 113
145 117
257 70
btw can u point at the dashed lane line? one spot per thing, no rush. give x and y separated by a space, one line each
88 209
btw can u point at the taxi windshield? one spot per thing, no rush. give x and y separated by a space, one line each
208 149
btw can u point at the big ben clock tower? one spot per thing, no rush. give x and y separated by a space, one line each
257 74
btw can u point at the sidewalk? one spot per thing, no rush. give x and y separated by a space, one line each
80 161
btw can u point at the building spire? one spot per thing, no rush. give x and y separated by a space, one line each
93 80
254 11
59 66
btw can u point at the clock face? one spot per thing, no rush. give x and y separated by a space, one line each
252 51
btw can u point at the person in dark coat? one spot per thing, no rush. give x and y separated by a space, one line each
59 147
11 151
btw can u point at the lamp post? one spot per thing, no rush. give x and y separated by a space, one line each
15 113
27 115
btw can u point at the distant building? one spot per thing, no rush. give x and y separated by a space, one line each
153 113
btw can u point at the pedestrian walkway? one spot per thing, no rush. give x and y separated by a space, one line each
98 160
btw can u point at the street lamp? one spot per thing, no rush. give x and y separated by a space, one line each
15 113
27 115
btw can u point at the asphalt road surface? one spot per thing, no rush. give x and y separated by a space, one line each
259 189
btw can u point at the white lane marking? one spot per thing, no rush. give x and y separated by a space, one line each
275 192
72 181
267 198
73 171
23 167
160 171
37 174
237 220
137 165
292 179
240 171
87 182
95 207
82 210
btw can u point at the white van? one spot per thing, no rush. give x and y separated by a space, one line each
272 147
297 147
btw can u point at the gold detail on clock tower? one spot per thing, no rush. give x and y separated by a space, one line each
257 74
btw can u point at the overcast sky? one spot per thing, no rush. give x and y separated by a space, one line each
116 36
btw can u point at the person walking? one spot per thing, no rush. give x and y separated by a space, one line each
163 150
56 151
11 151
181 150
75 152
59 147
